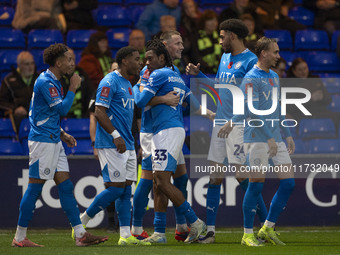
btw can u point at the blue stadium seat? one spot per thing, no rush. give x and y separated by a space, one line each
317 128
10 147
83 148
24 146
24 128
335 104
6 128
79 128
324 146
8 58
118 37
144 2
331 81
283 37
300 147
38 56
7 14
323 61
289 56
302 15
78 55
78 39
135 12
5 2
334 42
12 38
215 2
113 16
311 40
42 38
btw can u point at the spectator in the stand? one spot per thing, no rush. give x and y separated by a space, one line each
79 108
207 48
96 58
238 8
17 88
149 21
168 23
274 15
320 97
78 13
327 14
39 14
252 37
280 68
190 16
137 40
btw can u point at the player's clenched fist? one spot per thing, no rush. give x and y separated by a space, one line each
74 82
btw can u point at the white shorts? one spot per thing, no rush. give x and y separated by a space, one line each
217 150
166 149
258 154
145 143
235 147
45 159
118 167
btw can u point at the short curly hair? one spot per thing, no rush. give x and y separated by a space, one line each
53 52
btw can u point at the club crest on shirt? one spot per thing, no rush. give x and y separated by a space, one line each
116 174
53 92
238 65
105 92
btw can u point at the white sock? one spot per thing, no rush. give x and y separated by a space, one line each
182 227
159 234
248 231
20 234
125 231
79 230
269 224
85 218
136 230
210 228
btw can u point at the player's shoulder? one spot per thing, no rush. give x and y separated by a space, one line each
110 79
273 74
43 79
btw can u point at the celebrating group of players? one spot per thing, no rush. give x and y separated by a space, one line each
162 94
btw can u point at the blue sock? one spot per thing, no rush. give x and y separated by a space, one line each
27 204
189 214
280 199
249 203
123 207
103 200
261 209
140 201
181 184
159 222
213 202
68 202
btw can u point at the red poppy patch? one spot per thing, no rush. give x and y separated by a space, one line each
271 82
130 91
248 85
230 65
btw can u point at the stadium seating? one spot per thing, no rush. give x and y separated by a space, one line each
5 2
6 128
335 105
144 2
10 147
283 37
83 148
300 147
311 40
24 146
302 15
324 146
42 38
135 11
7 14
317 128
120 2
113 16
79 128
8 58
118 37
24 129
215 2
334 42
78 39
289 56
38 56
323 61
12 38
331 81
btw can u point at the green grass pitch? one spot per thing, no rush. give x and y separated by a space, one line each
301 240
